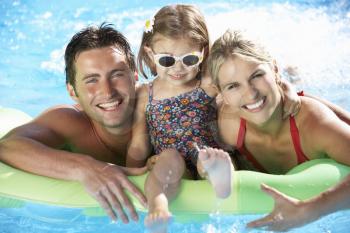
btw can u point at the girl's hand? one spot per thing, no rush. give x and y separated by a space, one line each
292 101
151 162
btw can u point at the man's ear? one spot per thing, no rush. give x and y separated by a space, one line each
149 52
136 76
72 92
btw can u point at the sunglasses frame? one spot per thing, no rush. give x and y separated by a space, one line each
158 56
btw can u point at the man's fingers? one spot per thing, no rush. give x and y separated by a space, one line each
125 201
286 112
104 204
135 192
113 201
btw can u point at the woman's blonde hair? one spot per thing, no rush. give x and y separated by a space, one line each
174 21
231 44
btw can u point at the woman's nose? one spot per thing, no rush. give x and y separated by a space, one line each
251 92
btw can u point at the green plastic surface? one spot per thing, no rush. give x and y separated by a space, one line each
195 200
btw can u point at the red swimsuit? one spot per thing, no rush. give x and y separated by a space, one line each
295 137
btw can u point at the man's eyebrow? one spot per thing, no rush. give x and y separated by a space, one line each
118 70
92 75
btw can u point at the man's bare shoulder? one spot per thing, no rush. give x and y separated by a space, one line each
63 119
63 112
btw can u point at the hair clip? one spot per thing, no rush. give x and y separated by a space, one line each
149 25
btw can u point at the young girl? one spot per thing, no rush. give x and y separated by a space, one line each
176 113
251 116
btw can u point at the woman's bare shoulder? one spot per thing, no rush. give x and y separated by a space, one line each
228 123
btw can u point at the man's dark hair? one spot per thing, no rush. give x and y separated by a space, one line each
94 37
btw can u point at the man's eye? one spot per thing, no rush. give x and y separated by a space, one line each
118 75
91 80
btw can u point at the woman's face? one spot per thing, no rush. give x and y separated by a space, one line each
249 87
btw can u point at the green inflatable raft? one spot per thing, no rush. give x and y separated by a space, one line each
196 199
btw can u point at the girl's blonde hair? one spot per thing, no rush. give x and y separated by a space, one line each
174 21
230 44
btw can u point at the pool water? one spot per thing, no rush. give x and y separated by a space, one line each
34 219
313 35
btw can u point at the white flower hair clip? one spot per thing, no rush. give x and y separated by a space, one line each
149 25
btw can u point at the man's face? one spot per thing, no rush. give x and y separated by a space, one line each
105 86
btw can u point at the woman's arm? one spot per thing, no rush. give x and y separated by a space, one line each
140 147
289 212
340 112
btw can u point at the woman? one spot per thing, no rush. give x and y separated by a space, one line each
250 117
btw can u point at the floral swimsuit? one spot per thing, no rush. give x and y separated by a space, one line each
181 122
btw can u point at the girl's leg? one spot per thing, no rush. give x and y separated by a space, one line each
216 166
162 184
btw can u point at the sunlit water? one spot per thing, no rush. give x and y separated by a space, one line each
313 36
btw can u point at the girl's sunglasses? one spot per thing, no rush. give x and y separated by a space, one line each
188 59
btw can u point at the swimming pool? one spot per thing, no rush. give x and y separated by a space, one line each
312 35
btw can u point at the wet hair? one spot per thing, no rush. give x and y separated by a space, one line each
175 21
93 37
231 44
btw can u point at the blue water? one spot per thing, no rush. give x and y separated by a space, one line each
34 218
311 35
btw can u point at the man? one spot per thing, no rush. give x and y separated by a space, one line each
100 77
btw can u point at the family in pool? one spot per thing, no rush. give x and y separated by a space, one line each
209 110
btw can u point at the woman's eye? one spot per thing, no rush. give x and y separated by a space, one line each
233 86
258 75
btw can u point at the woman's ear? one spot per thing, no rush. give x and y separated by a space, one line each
275 67
72 92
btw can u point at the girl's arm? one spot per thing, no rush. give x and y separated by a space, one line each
140 147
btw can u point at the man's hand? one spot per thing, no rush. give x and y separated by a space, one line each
107 182
287 213
292 102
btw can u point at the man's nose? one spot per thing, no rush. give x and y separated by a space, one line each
106 88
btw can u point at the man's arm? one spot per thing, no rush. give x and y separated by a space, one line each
289 212
34 147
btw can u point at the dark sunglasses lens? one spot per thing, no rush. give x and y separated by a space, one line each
190 60
166 61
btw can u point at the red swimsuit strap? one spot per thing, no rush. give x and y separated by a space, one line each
241 148
301 157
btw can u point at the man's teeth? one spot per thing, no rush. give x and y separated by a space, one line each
109 106
256 105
